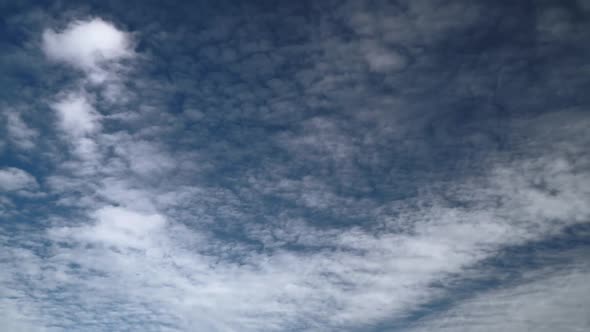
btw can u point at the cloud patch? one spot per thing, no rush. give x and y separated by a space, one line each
14 179
382 59
77 117
88 45
18 132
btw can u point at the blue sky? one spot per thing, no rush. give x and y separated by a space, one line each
294 166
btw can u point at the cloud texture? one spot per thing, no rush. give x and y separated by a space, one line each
407 166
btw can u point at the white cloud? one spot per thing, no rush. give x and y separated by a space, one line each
96 47
122 191
145 158
77 116
139 261
88 45
19 133
14 179
120 227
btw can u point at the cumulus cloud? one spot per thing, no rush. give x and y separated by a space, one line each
77 117
88 45
97 47
15 179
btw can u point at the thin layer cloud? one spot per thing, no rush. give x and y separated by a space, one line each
548 301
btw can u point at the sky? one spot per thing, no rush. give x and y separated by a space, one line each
295 165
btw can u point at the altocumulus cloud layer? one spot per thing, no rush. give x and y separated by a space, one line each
295 166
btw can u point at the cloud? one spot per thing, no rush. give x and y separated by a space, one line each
88 45
19 133
381 59
145 158
545 302
15 179
77 117
158 269
324 182
121 228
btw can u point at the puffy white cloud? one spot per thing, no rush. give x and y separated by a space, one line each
76 114
96 47
15 179
88 45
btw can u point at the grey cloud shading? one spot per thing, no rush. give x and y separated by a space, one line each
545 303
14 179
19 133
